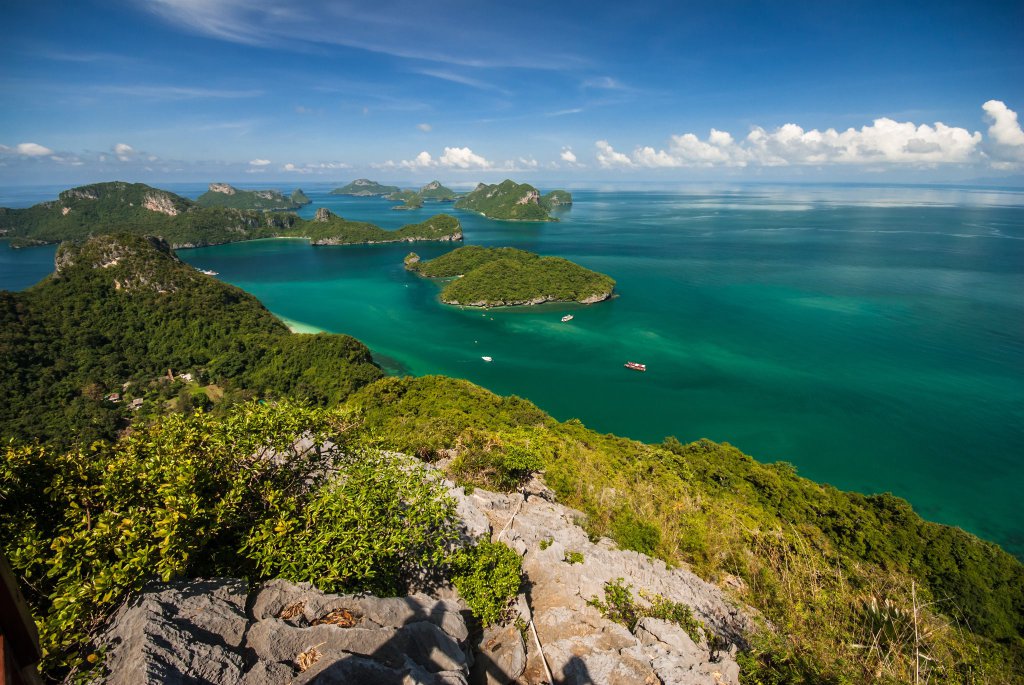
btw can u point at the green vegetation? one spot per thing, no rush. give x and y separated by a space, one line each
334 230
488 576
512 201
620 606
202 495
573 557
123 310
495 277
814 560
141 210
410 199
364 187
224 195
437 192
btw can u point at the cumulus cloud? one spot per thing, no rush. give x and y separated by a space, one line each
292 168
1005 135
607 156
124 151
424 127
259 162
463 158
32 150
885 141
568 155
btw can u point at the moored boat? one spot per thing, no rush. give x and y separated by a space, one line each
567 317
487 359
636 366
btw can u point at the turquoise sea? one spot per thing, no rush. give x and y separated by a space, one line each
871 335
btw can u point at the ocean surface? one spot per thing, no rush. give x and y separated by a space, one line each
872 336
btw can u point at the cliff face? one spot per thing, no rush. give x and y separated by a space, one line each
218 631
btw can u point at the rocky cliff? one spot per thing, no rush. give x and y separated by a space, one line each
223 631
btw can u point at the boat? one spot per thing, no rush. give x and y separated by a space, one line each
487 359
567 317
208 272
636 366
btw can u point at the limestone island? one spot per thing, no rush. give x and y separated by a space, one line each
364 187
141 210
327 228
431 192
506 277
224 195
511 201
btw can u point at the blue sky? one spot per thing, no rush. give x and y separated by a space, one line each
270 90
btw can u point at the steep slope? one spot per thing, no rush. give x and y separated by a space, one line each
511 201
328 228
123 310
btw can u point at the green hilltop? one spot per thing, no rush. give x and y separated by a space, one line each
98 497
224 195
364 187
511 201
505 276
142 210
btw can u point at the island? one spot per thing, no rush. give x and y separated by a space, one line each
139 209
364 187
505 277
410 199
225 195
327 228
431 192
511 201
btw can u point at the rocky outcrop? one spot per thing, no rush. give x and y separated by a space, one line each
541 299
216 631
530 198
323 215
222 188
157 202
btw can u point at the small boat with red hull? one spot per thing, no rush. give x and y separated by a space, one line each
636 366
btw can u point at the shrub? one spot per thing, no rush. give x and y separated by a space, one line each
488 576
632 533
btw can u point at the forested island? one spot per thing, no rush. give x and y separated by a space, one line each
511 201
102 494
143 210
224 195
364 187
505 276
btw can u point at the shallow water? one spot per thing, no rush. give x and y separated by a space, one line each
872 336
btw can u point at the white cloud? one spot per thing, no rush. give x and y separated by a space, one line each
124 151
607 157
295 169
884 142
1005 134
568 155
259 162
33 150
463 158
424 127
422 161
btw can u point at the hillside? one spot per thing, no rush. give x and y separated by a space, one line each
504 276
511 201
224 195
329 229
437 192
204 486
364 187
141 210
123 310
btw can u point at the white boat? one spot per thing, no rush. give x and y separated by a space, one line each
567 317
636 366
487 359
208 272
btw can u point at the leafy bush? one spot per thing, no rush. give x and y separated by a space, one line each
488 576
375 526
620 606
573 557
632 533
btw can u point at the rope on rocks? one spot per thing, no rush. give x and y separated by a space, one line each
511 519
540 650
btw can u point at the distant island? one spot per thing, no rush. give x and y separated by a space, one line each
364 187
511 201
139 209
327 228
224 195
431 192
504 277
